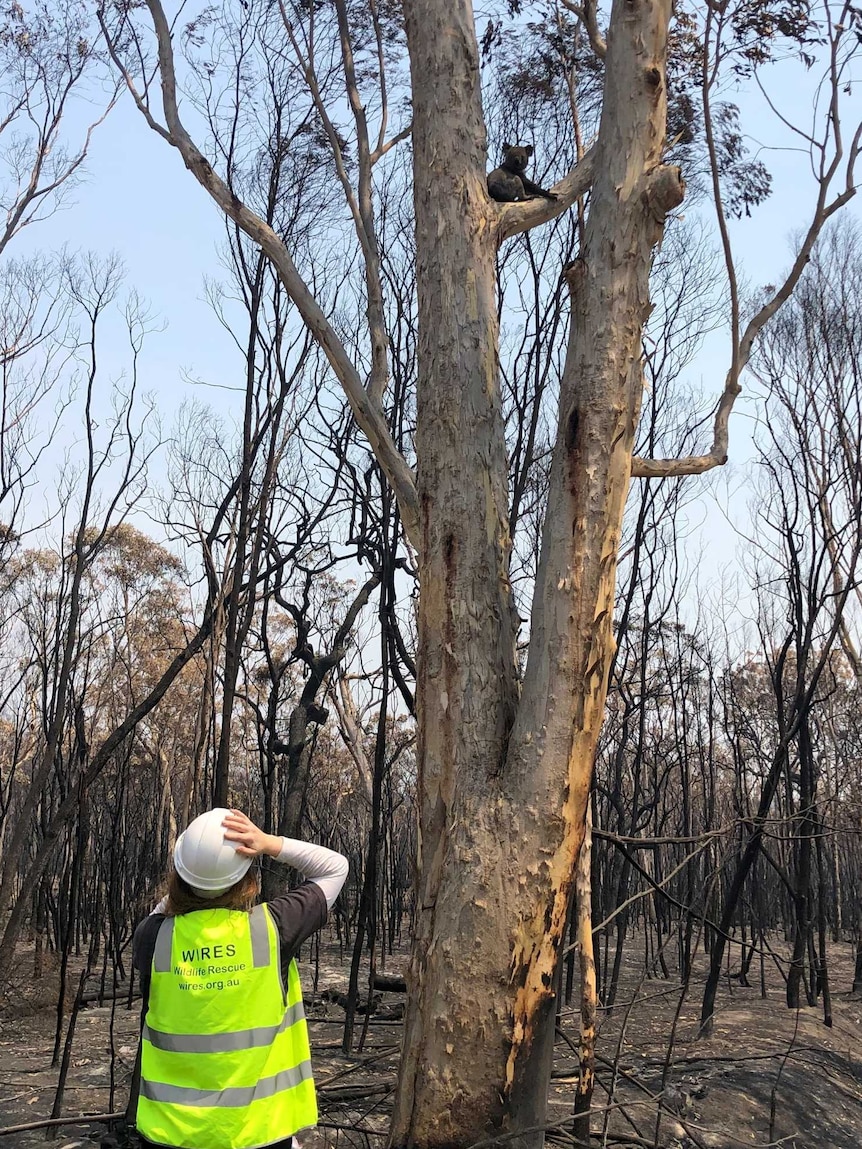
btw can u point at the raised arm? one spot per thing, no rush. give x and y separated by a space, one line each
327 868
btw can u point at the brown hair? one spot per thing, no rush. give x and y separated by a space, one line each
182 899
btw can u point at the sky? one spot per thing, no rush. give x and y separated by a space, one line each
139 201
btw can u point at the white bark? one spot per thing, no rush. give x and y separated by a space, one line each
571 645
350 726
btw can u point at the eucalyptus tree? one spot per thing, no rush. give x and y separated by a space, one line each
505 749
808 550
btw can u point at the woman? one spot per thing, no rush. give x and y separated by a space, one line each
224 1047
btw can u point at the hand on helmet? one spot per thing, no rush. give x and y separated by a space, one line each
249 840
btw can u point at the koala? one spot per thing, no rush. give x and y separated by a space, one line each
507 183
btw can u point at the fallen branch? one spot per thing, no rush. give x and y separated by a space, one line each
392 983
122 992
356 1092
353 1129
48 1122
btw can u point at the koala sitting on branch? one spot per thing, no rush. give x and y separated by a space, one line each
508 184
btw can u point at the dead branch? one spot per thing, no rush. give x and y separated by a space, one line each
50 1122
364 403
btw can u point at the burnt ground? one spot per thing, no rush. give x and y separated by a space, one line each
712 1093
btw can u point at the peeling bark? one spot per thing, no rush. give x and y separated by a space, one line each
571 647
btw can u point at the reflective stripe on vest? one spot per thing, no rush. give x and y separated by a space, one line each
224 1042
225 1060
228 1098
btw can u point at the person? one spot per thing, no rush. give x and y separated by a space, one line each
224 1060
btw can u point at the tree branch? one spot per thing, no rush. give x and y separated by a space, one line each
588 16
717 456
515 218
367 409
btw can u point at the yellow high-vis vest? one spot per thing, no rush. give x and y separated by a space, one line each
225 1062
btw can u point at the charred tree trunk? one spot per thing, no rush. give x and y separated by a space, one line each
802 890
367 921
240 608
822 956
857 967
743 869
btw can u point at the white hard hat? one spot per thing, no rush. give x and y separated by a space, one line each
203 859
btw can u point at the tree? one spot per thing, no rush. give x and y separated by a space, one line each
504 759
94 500
809 537
48 57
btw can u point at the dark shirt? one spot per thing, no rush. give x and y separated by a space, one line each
297 915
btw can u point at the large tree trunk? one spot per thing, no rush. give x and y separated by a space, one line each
458 1014
502 817
562 706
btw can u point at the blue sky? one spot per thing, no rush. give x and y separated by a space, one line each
139 201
